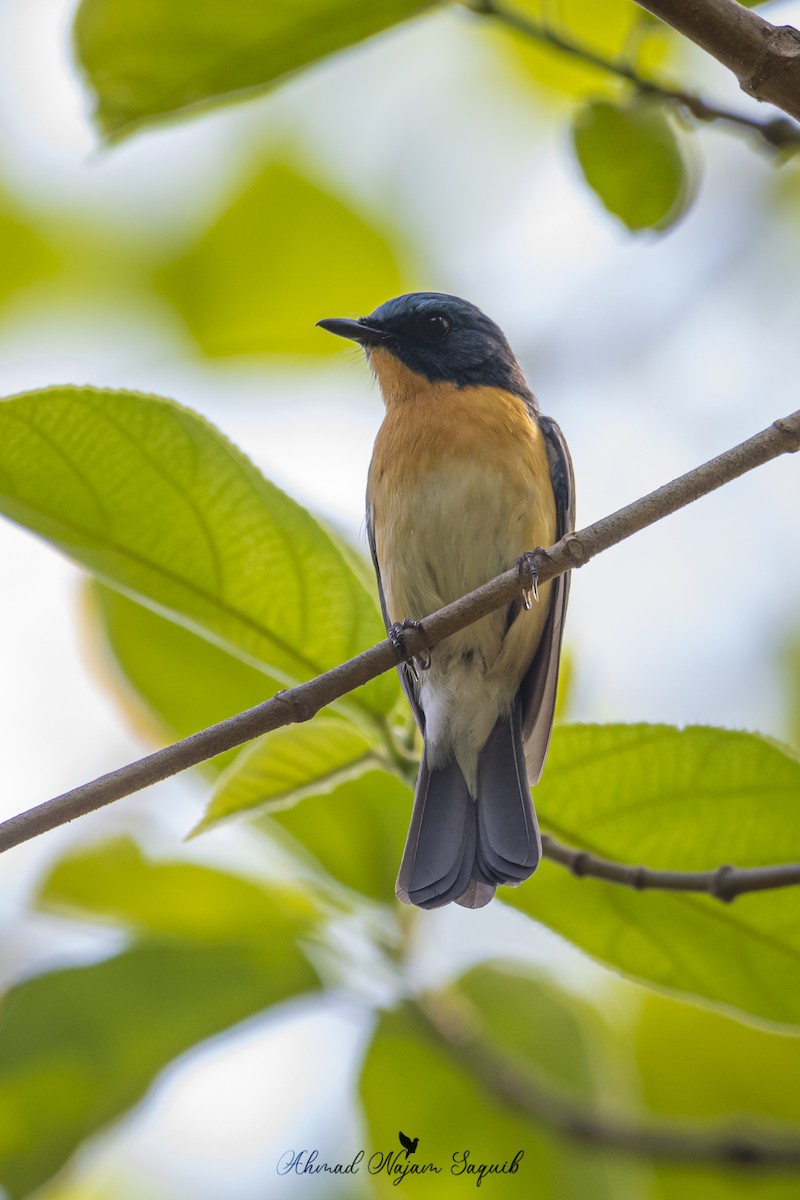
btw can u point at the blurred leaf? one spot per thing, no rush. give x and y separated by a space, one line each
115 882
616 30
356 832
150 497
146 60
632 159
79 1047
186 682
790 661
410 1082
244 286
25 254
288 764
699 1064
690 800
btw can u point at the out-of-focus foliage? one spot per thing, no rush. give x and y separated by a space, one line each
356 832
283 253
632 159
153 499
80 1046
411 1082
164 671
25 253
147 60
689 800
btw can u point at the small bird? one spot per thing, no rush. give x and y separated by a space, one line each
408 1144
466 478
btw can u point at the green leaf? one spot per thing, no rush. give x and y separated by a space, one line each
410 1082
356 832
146 60
703 1066
288 764
24 252
243 286
78 1047
154 500
632 160
164 671
115 882
691 800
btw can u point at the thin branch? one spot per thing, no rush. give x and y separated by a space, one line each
301 703
777 132
724 883
765 58
728 1146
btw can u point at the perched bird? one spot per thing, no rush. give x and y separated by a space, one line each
466 477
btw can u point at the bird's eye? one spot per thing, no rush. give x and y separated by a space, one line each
434 327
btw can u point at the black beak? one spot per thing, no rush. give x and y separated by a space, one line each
354 330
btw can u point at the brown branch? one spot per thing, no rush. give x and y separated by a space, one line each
723 883
765 58
304 701
725 1145
777 132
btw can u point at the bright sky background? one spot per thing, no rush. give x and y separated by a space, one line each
653 355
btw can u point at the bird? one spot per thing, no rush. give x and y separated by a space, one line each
467 478
408 1144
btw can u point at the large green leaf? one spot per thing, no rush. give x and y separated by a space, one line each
243 286
698 1064
114 882
288 764
356 832
147 60
80 1046
154 500
689 799
168 680
632 159
411 1083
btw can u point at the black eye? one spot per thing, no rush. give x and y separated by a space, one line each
434 327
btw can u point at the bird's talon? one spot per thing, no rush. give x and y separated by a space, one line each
397 636
526 565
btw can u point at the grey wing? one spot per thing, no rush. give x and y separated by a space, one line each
538 690
403 670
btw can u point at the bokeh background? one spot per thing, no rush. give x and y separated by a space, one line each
193 260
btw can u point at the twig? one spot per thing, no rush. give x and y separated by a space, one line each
727 1146
765 58
724 883
301 703
778 132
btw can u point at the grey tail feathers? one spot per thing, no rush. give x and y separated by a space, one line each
460 848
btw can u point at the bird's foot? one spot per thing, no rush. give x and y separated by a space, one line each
529 576
397 636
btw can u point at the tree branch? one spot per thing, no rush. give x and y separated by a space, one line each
765 58
301 703
723 1145
724 883
777 132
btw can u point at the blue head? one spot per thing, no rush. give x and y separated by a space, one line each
440 337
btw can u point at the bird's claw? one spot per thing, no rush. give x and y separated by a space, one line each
529 577
397 636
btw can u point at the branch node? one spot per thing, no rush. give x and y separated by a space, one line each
640 877
744 1153
300 708
723 884
581 864
575 549
789 432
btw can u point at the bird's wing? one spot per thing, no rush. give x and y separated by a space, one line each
404 671
405 1141
538 689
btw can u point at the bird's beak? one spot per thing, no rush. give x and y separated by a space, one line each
354 330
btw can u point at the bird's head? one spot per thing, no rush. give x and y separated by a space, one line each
438 338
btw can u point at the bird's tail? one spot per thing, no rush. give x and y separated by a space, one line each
460 848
